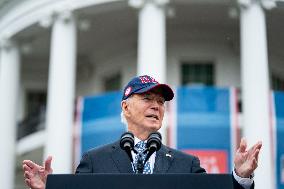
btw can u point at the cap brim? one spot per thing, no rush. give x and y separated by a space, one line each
166 90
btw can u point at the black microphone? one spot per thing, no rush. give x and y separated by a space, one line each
127 143
154 144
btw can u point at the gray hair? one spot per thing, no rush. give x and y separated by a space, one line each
122 116
123 119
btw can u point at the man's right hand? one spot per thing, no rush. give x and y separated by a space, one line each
36 175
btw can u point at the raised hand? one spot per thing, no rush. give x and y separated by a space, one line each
36 175
246 160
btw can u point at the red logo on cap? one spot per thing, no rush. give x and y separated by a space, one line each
147 79
127 91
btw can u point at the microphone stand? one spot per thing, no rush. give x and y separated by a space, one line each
153 144
140 163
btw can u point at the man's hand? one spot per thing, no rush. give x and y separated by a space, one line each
246 160
36 175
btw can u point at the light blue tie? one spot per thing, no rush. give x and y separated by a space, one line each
140 147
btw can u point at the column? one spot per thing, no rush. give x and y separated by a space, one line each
9 85
61 84
255 88
152 41
151 38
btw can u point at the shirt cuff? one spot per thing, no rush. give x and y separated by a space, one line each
244 182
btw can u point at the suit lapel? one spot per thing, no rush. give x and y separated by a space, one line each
163 160
121 159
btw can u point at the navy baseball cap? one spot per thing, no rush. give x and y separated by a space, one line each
145 83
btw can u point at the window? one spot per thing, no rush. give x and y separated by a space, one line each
277 83
197 73
35 100
112 83
35 113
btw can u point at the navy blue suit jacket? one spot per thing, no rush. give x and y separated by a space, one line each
112 159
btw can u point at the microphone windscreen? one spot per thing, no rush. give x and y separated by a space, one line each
127 140
154 141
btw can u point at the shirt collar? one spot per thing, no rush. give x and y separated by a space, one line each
136 140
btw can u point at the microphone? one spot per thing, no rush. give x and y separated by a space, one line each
127 143
153 144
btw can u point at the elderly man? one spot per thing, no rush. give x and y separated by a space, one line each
143 107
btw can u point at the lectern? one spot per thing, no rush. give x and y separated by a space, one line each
140 181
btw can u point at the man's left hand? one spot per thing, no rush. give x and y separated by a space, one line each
246 160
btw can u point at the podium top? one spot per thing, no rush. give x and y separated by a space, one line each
140 181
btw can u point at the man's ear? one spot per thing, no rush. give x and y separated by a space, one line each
125 107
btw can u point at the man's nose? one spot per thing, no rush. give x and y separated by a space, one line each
155 104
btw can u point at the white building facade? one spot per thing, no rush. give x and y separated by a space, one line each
52 51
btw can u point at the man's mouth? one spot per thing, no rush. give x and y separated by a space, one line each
153 116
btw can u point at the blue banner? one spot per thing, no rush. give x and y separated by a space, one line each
204 126
101 122
279 113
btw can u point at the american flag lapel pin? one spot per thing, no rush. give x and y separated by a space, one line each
168 155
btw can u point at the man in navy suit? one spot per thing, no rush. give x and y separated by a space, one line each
143 107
